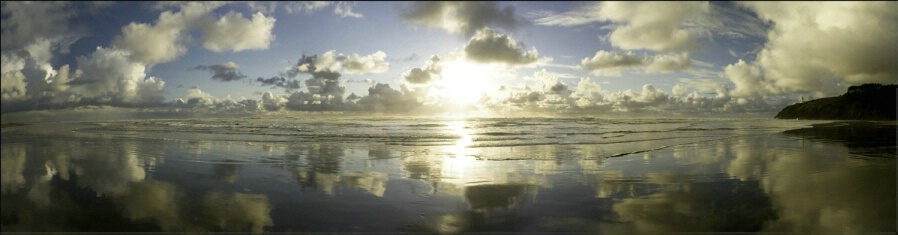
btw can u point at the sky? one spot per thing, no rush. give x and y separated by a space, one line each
435 57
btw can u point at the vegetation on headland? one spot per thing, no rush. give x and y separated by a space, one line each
864 102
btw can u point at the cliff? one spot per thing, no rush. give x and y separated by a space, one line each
864 102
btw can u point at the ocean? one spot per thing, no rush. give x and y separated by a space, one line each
299 172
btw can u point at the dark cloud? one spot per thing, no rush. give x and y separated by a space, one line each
282 82
382 98
461 17
432 70
223 72
487 46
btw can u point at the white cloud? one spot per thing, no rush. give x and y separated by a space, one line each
658 26
652 25
373 63
164 40
669 63
306 7
820 47
585 14
611 63
331 64
108 76
344 9
678 90
12 86
487 46
235 33
465 18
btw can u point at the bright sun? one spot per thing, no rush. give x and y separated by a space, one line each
464 83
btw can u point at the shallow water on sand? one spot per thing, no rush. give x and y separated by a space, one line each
450 175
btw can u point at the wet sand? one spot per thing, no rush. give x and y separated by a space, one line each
837 178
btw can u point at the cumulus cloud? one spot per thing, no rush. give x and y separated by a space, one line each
487 46
669 63
657 26
432 70
355 64
106 77
330 64
465 18
235 33
609 63
223 72
652 25
109 76
820 48
604 60
273 103
26 22
163 41
382 98
195 99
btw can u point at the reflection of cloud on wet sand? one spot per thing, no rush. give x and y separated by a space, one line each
777 184
12 163
701 208
821 190
107 170
238 211
154 200
816 186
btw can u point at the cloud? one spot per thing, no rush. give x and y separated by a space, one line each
235 33
282 82
306 7
273 103
669 63
164 40
487 46
108 76
382 98
432 70
657 26
465 18
652 25
355 64
582 15
330 64
608 63
26 22
344 9
821 48
223 72
604 60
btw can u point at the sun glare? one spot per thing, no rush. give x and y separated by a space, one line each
464 83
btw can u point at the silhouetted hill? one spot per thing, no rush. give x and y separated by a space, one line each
864 102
